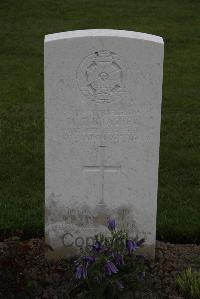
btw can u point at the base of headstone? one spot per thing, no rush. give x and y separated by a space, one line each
61 253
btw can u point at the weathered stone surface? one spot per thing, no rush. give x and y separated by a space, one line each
103 91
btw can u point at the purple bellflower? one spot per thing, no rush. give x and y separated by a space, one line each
111 224
131 246
119 259
81 272
110 268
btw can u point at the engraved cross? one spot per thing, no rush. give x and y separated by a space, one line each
101 169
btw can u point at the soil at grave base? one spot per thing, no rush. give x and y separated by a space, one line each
25 273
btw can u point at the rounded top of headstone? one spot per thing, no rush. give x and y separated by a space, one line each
103 33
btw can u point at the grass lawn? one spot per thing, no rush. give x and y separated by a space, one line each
23 25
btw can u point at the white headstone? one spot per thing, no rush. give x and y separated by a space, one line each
103 92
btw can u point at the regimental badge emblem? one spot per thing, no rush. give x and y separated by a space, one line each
101 76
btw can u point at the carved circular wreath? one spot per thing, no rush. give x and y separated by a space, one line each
101 75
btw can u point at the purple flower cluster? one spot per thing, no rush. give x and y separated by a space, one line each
106 256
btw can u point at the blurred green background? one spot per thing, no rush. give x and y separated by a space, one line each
23 26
